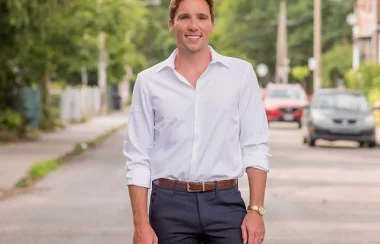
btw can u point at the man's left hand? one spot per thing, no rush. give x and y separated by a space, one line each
253 228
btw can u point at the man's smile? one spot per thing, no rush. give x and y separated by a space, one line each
193 36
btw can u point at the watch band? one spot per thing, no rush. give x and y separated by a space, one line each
259 209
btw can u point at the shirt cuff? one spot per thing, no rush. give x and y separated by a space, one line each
258 160
139 177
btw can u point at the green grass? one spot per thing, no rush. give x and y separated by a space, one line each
22 183
38 171
41 169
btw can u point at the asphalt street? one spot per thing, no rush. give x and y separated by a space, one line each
324 195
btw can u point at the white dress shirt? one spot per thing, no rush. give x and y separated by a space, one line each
212 132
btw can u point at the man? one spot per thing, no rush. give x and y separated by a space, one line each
196 124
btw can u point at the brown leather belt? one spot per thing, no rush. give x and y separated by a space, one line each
195 186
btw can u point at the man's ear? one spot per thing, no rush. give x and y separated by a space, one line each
170 24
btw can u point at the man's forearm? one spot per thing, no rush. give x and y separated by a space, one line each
139 202
257 182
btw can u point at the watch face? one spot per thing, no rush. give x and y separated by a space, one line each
261 210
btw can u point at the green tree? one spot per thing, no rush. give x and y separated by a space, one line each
154 41
248 29
52 40
32 33
336 62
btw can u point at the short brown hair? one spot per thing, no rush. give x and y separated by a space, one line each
174 4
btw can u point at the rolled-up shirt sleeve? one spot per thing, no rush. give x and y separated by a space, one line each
138 139
254 130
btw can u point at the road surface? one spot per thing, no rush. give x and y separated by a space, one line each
324 195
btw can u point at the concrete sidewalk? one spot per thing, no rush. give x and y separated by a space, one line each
15 159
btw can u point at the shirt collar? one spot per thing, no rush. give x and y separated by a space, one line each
215 58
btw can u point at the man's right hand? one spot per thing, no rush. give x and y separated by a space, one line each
144 235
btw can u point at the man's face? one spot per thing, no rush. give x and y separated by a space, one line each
192 25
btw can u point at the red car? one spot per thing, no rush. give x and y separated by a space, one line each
284 102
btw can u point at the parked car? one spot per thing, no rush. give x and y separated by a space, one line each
339 114
284 102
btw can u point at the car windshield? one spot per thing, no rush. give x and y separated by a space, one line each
285 93
344 101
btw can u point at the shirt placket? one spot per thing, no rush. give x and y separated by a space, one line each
196 142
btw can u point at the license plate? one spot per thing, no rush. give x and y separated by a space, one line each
288 117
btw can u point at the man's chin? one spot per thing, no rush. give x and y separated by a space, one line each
194 48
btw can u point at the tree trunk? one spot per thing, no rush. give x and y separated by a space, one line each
45 88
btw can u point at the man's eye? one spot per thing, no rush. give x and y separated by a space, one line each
183 17
202 18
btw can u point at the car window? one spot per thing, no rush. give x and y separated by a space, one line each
345 101
285 93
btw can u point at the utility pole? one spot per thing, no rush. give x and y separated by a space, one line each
317 45
282 61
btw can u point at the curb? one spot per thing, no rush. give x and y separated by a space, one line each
39 170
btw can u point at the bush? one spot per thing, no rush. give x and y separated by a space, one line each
11 125
367 79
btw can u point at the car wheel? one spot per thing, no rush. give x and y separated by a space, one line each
311 142
371 144
299 124
361 144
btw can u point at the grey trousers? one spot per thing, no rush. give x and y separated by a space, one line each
212 217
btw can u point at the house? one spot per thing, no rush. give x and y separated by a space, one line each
366 32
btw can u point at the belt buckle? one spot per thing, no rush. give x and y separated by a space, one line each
189 190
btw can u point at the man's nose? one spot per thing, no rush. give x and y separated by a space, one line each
193 25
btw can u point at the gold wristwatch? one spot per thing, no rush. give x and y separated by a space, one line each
259 209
